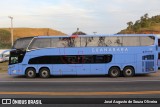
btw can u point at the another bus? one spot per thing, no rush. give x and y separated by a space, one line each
114 55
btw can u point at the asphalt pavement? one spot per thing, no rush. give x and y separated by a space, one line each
140 86
80 86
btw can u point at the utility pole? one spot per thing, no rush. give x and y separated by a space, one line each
11 29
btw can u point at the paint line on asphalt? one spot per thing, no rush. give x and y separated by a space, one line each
26 81
80 93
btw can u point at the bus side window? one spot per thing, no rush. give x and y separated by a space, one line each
71 59
88 59
99 59
107 58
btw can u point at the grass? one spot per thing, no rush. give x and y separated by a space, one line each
4 67
26 32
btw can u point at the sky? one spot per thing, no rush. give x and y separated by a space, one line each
101 16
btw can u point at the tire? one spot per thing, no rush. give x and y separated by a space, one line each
30 73
128 72
44 73
114 72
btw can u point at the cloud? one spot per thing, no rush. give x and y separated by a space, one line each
102 16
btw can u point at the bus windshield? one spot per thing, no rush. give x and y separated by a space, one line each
22 43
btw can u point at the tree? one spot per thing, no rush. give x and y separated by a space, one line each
144 23
146 16
78 33
5 41
130 25
136 26
144 20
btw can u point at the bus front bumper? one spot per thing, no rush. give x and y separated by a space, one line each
13 70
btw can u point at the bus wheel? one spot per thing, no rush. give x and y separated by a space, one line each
30 73
114 72
128 71
44 73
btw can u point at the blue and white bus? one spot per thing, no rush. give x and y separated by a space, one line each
113 55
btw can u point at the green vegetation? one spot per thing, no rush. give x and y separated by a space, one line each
144 25
3 67
5 41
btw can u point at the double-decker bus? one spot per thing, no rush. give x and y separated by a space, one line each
113 55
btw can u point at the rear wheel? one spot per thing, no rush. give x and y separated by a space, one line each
128 71
114 72
44 73
30 73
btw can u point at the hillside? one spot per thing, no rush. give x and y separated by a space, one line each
25 32
145 25
5 36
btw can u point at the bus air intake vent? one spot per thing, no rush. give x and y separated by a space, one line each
149 66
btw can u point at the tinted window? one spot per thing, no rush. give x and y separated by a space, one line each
99 59
54 42
92 41
87 59
16 56
113 41
71 59
103 58
131 41
40 43
147 40
77 42
22 43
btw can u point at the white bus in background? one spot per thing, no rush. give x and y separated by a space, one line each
4 55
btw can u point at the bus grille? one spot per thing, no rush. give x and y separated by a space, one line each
149 66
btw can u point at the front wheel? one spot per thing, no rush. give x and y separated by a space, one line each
30 73
128 72
44 73
114 72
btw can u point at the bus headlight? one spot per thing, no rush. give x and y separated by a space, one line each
14 71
